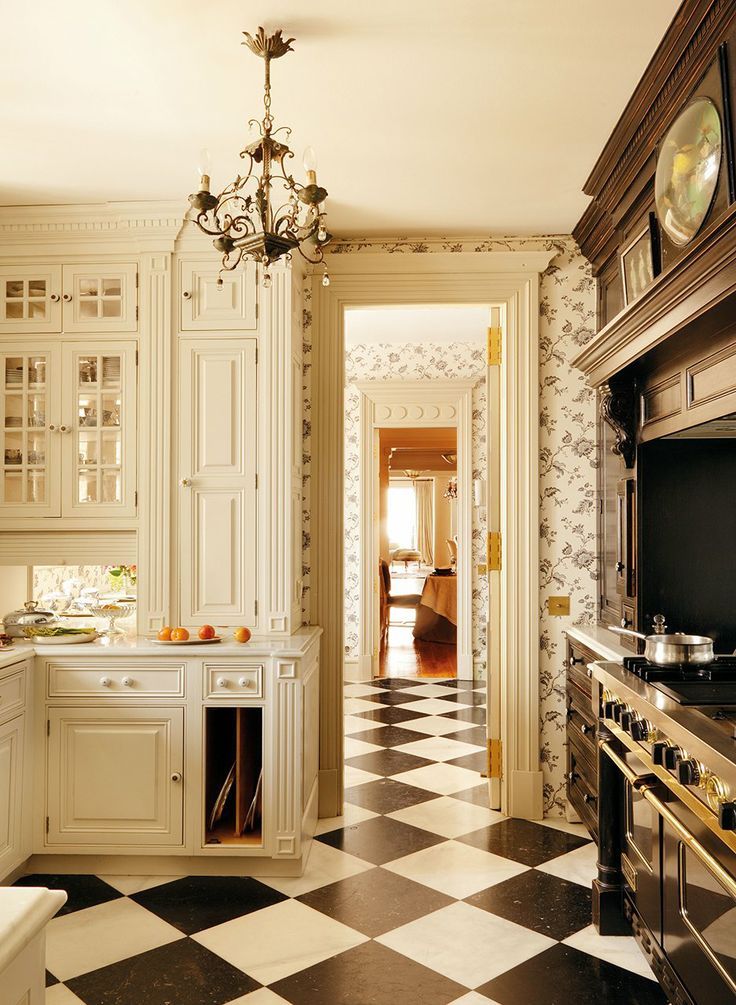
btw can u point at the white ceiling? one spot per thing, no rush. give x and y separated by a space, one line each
428 117
424 325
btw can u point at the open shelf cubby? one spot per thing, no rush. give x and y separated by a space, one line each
233 771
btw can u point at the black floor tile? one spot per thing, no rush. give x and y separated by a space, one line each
50 979
386 795
390 714
523 841
392 696
478 794
370 974
376 901
475 761
476 734
476 715
387 762
380 840
397 683
82 891
466 697
181 973
390 736
554 907
194 903
562 975
461 685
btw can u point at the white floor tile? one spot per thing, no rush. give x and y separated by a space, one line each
560 824
279 940
263 996
361 690
440 748
354 724
429 690
620 950
578 866
324 865
456 869
466 944
98 936
356 776
441 778
352 815
353 705
447 816
61 995
355 747
435 725
471 998
434 706
135 884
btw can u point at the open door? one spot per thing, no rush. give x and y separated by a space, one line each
493 555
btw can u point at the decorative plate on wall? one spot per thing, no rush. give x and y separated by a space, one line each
687 170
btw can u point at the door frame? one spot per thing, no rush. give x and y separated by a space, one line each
413 404
509 279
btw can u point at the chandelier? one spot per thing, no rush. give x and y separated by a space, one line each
265 214
451 490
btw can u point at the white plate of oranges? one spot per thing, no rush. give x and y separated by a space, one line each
206 635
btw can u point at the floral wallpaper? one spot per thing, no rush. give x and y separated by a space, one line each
461 361
567 526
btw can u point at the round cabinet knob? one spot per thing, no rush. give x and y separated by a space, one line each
221 681
176 776
54 298
67 298
186 483
187 295
244 682
620 566
51 427
64 429
625 622
105 682
127 682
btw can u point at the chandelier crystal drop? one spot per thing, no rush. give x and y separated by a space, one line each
265 214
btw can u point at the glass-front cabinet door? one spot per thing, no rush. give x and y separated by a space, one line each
101 431
30 429
30 298
100 298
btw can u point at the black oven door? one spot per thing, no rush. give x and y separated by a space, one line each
699 908
641 865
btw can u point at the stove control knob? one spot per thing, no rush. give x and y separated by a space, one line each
658 749
619 710
727 815
688 771
672 756
641 729
609 707
627 717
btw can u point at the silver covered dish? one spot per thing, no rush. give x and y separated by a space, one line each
31 614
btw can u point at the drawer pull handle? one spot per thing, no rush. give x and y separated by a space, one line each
585 729
221 682
245 682
574 660
587 798
127 682
176 776
105 682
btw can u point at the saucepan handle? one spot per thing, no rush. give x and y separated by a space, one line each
626 631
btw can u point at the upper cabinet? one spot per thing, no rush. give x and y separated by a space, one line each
211 300
50 299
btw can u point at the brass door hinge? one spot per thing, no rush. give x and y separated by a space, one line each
495 759
493 551
495 344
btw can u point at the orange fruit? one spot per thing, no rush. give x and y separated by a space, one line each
179 635
207 632
165 634
241 634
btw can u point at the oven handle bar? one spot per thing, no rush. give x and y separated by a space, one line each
645 784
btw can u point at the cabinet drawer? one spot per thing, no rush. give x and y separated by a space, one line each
580 727
582 786
12 694
578 659
225 681
105 681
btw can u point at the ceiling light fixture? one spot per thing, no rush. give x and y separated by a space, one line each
264 214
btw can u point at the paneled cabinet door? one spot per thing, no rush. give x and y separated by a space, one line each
115 776
217 481
100 298
11 794
31 441
215 301
99 430
30 298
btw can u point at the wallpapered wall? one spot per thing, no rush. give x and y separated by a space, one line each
567 462
462 361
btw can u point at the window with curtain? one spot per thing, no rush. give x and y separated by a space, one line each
402 515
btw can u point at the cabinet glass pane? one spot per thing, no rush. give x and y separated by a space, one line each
14 288
87 486
37 288
13 485
13 448
37 310
23 430
111 486
13 410
35 486
99 427
100 297
25 299
14 310
36 410
87 444
37 370
111 448
13 371
111 410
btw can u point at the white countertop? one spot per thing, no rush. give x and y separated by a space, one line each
24 910
600 640
141 645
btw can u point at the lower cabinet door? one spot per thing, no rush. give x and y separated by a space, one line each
114 776
11 793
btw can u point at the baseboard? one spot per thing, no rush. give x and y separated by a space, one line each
526 795
464 666
357 671
330 792
164 865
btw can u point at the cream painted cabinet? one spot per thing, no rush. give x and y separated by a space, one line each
211 300
68 430
11 794
115 776
217 481
30 298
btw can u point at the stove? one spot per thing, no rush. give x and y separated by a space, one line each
710 684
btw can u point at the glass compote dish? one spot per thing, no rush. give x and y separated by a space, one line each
111 611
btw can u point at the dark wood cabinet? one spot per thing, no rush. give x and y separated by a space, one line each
581 763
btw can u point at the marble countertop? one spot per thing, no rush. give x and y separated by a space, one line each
24 910
600 640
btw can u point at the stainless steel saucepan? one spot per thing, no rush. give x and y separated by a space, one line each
671 650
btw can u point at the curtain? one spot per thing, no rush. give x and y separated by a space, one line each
425 519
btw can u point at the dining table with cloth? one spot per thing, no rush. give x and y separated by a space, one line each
436 619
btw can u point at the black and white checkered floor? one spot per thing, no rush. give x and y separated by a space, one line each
419 895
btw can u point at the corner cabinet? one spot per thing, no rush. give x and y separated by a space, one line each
68 429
